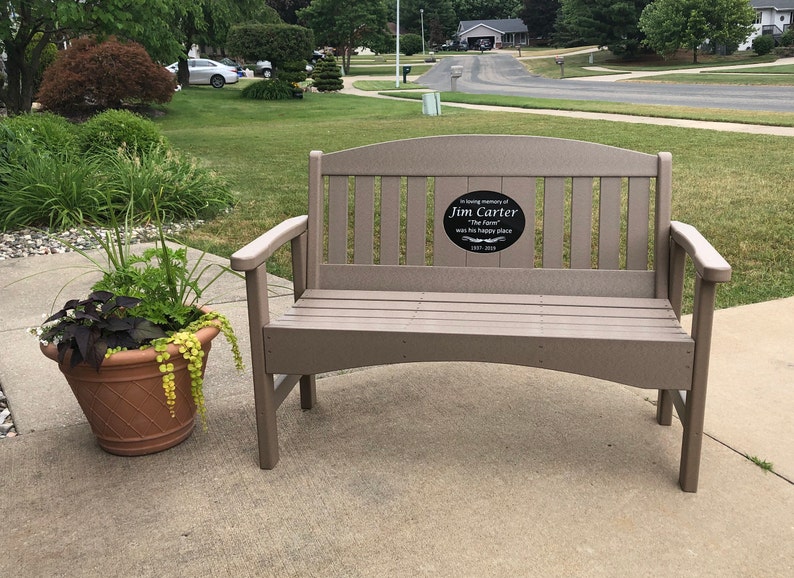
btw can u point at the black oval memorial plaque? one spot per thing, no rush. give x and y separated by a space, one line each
484 221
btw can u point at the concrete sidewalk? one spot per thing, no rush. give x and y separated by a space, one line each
521 472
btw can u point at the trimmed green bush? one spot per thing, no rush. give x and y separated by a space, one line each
327 76
268 90
410 44
119 129
763 44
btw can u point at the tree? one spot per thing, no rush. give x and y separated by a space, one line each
287 9
540 17
486 9
279 43
28 26
86 76
439 16
207 22
605 23
345 25
672 24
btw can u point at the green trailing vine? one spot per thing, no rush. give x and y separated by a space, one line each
190 348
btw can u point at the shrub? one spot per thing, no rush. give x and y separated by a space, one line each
278 43
99 76
35 174
293 72
268 90
181 188
114 129
57 190
46 131
410 44
50 177
788 38
327 76
763 44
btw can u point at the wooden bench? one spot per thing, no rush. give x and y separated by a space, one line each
533 251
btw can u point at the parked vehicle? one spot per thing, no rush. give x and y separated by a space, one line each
236 65
263 68
205 71
457 45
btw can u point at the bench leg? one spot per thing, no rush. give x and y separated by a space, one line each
664 407
266 430
692 440
702 320
308 391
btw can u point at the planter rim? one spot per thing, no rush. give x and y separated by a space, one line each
131 356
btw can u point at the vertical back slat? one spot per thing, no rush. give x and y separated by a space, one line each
337 219
416 225
553 222
637 225
581 223
663 208
483 184
445 252
364 221
390 220
316 228
522 253
609 224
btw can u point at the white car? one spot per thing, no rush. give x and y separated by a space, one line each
205 71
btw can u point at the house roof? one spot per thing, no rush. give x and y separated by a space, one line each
507 25
776 4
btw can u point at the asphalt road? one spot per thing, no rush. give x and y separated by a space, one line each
502 74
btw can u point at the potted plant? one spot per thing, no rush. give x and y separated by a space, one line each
134 351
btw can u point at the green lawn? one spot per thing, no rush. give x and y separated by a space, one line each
737 189
723 77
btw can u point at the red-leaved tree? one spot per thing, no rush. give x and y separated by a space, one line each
98 76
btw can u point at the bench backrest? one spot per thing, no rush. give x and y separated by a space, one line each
596 218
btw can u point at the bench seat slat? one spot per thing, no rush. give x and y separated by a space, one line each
521 299
346 314
421 325
370 307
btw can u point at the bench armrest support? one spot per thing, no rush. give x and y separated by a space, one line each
268 394
710 269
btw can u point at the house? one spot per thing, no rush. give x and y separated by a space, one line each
507 32
771 17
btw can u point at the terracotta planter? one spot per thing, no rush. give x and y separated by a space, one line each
124 401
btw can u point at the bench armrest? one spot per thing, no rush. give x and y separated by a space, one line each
262 248
707 261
